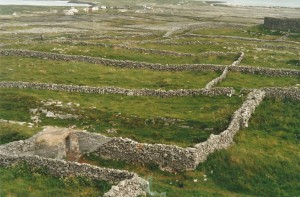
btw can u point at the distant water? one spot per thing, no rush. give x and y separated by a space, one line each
39 3
265 3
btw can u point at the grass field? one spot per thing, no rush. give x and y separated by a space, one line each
125 54
20 180
239 81
179 120
262 162
13 132
77 73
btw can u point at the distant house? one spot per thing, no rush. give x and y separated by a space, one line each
103 7
74 10
15 14
95 8
86 9
68 12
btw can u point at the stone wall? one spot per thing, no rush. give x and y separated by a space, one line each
60 168
239 119
174 158
283 24
239 38
108 62
116 90
167 157
219 79
143 65
122 46
196 42
265 71
279 92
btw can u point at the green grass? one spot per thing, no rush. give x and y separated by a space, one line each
21 180
252 32
120 54
77 73
189 119
271 58
263 161
10 9
195 49
240 80
13 132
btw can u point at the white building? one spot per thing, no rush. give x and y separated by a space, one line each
95 8
74 10
68 13
86 9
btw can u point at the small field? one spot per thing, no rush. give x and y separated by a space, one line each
264 157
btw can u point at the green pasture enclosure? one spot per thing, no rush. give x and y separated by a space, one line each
263 160
79 73
241 80
177 120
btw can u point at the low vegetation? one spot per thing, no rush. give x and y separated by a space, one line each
21 180
239 81
78 73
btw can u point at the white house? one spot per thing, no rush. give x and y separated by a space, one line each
95 8
86 9
103 7
68 12
73 10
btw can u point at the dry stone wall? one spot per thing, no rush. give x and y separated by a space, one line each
283 24
128 184
268 46
167 157
240 119
108 62
142 50
219 79
265 71
239 38
279 92
143 65
116 90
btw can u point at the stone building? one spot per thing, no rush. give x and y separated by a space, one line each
283 24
